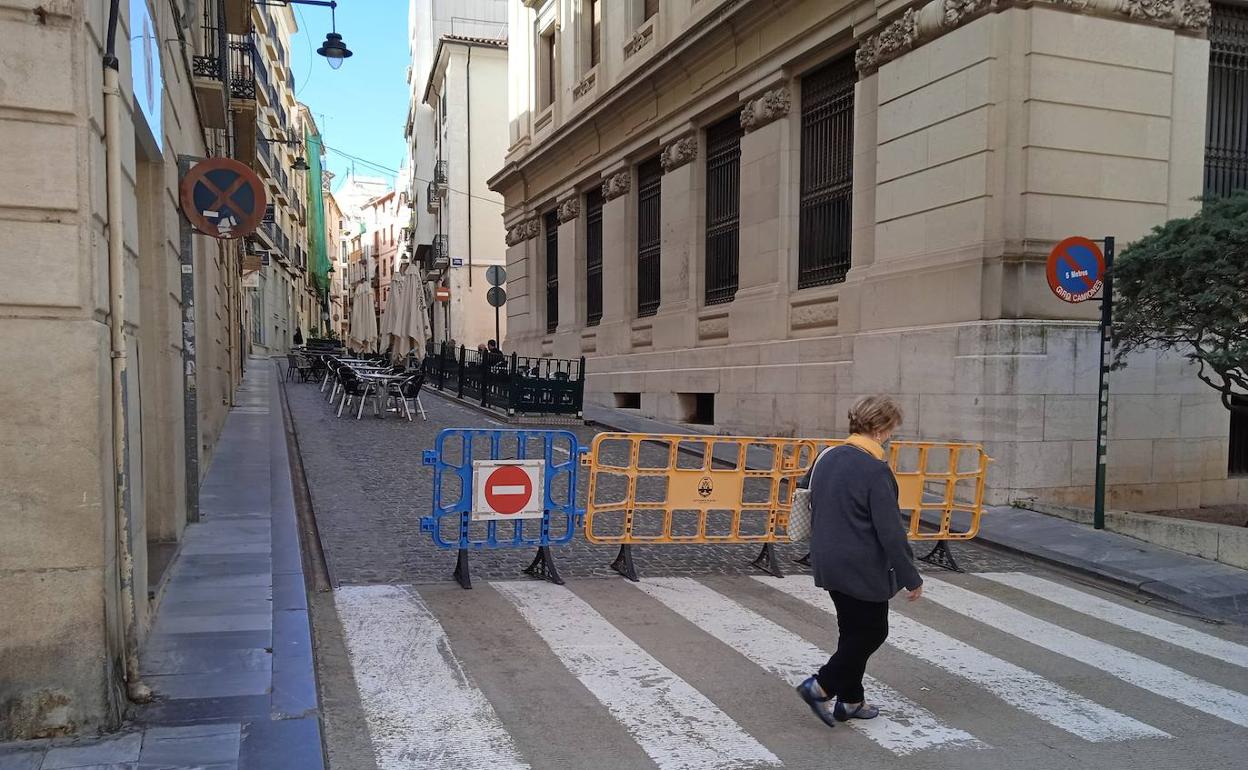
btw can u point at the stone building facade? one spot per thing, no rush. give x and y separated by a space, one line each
74 594
750 213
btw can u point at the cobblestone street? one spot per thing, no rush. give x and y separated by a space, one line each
369 491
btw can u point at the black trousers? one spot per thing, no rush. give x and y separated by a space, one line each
863 628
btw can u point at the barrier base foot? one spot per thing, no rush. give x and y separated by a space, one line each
623 563
804 561
767 560
543 567
461 569
941 556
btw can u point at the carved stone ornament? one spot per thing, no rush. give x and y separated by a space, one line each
638 40
1150 10
923 23
957 11
523 231
772 105
1195 14
616 185
583 87
568 210
897 38
679 152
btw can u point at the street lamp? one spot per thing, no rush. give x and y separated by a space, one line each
300 164
333 49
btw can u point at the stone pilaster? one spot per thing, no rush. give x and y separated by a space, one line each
619 261
759 311
571 275
524 329
676 322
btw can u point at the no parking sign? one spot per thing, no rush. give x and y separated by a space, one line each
1076 269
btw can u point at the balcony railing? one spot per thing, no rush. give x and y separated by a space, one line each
440 254
432 201
207 63
439 184
242 69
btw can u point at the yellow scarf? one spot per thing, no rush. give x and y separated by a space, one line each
866 444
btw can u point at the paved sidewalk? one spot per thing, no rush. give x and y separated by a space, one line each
1209 588
229 654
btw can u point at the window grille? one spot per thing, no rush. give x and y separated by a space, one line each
827 174
1226 141
723 208
552 272
649 235
593 257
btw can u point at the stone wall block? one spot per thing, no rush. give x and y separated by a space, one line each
927 361
1130 461
1176 460
1149 417
877 364
1069 417
1042 464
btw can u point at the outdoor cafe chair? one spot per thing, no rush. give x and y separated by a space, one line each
292 366
337 369
407 388
305 367
353 387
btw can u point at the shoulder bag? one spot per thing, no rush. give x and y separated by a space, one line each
799 513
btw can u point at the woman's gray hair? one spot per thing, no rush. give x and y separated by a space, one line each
874 414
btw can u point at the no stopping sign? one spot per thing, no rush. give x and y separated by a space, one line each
507 489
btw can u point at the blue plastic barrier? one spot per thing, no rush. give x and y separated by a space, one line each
561 455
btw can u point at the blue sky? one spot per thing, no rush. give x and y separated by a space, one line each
360 107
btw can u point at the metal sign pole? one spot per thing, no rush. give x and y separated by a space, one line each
1102 415
497 335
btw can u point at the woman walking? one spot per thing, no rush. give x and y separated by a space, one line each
860 555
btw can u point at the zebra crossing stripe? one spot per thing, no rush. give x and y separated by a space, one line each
1173 685
903 726
677 726
421 707
1025 690
1125 617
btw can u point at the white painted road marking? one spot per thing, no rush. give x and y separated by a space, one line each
903 726
422 709
1176 686
1023 689
1125 617
677 726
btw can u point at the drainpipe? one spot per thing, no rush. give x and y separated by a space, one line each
468 197
136 690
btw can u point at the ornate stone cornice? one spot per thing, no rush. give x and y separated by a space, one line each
523 231
771 105
616 185
568 209
936 17
679 152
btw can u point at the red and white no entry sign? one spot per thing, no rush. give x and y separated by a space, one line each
507 489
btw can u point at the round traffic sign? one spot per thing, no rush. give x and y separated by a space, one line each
1076 269
223 198
508 489
496 275
496 296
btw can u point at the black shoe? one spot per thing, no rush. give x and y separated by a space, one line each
819 705
861 711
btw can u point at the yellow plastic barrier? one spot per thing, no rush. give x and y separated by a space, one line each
688 487
681 489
